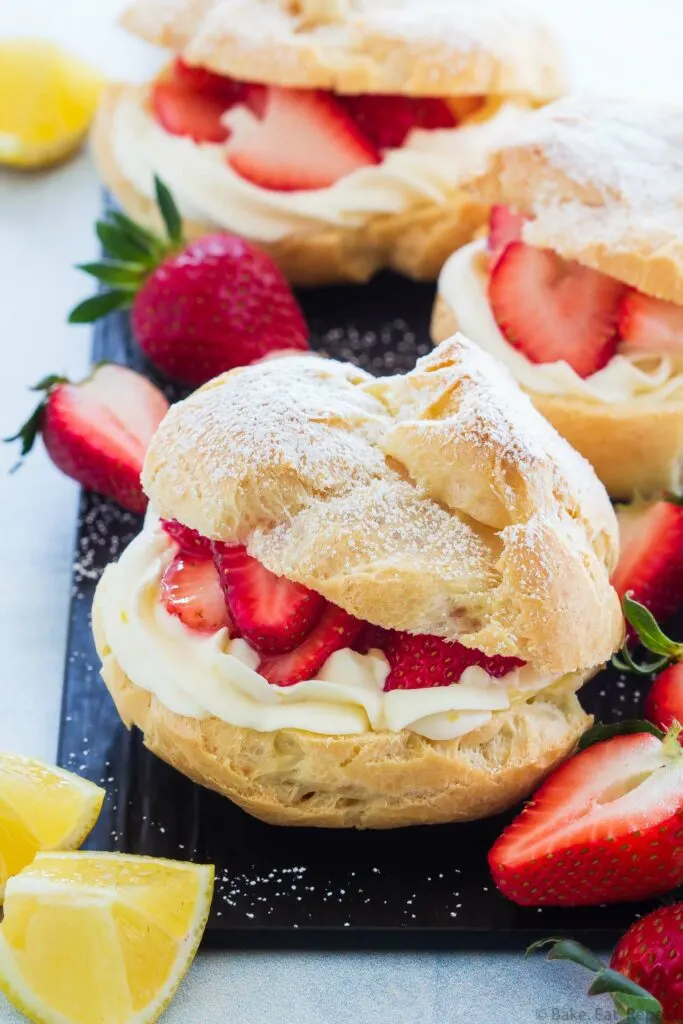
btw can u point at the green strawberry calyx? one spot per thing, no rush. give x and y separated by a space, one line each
132 253
633 1003
651 637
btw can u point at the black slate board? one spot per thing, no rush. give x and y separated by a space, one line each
418 888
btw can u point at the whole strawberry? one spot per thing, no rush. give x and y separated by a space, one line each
645 974
97 431
196 310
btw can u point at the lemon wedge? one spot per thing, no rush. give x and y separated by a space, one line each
41 808
100 938
47 100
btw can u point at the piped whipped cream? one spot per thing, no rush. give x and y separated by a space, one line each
427 168
201 675
628 375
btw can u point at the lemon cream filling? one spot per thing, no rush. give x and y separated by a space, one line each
201 675
427 168
631 375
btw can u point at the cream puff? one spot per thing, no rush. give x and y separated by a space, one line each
362 602
578 289
333 133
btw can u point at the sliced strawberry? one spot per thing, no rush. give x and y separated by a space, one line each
388 120
272 613
371 638
552 309
505 226
605 827
303 140
201 80
183 110
650 324
650 563
188 540
98 431
191 590
664 701
422 661
335 629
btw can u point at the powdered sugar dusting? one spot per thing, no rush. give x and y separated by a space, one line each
416 46
294 456
602 180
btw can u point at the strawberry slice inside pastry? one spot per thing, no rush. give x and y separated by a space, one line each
294 630
552 309
293 139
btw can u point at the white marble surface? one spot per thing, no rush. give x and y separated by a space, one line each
617 46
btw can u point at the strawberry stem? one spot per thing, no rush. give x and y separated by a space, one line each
672 747
650 636
131 253
633 1002
29 431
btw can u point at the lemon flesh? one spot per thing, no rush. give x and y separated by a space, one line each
101 938
41 808
47 101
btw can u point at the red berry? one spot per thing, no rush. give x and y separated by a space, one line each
272 613
98 431
419 661
217 304
388 120
605 827
297 140
188 540
335 629
650 565
191 590
553 309
650 325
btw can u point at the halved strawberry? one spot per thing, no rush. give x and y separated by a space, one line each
183 110
650 324
505 226
663 703
335 629
650 563
302 140
201 80
388 120
191 590
419 661
188 540
553 309
97 431
605 827
371 638
272 613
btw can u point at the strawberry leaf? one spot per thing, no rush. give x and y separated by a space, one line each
136 232
647 628
623 662
601 731
120 246
631 1000
99 305
126 275
568 949
169 211
28 433
630 995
